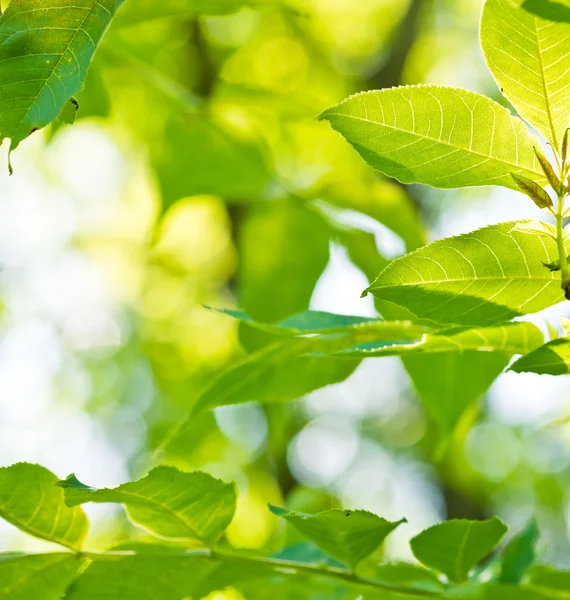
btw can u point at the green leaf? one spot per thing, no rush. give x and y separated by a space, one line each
45 50
37 577
279 280
553 358
449 383
30 501
188 161
528 56
157 575
455 547
413 576
308 321
547 577
167 502
451 370
293 367
147 10
519 554
347 535
466 361
442 137
494 591
484 277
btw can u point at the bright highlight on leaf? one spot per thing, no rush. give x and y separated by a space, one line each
30 501
442 137
167 502
552 358
488 276
528 56
347 535
38 577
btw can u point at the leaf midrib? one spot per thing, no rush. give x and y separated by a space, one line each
544 86
456 280
432 139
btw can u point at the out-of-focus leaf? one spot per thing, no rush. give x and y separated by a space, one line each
37 577
528 56
199 156
443 137
157 575
507 339
410 575
385 201
167 502
45 50
495 591
466 361
347 535
147 10
455 547
307 552
549 578
519 554
448 383
308 321
293 367
553 358
284 248
30 501
488 276
168 576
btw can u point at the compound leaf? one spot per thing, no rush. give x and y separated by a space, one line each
167 502
438 136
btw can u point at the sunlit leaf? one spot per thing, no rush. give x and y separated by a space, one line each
455 547
30 501
37 577
553 358
442 137
488 276
45 50
528 56
347 535
167 502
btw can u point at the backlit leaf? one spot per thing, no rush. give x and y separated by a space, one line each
37 577
553 358
528 56
442 137
167 502
484 277
30 501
